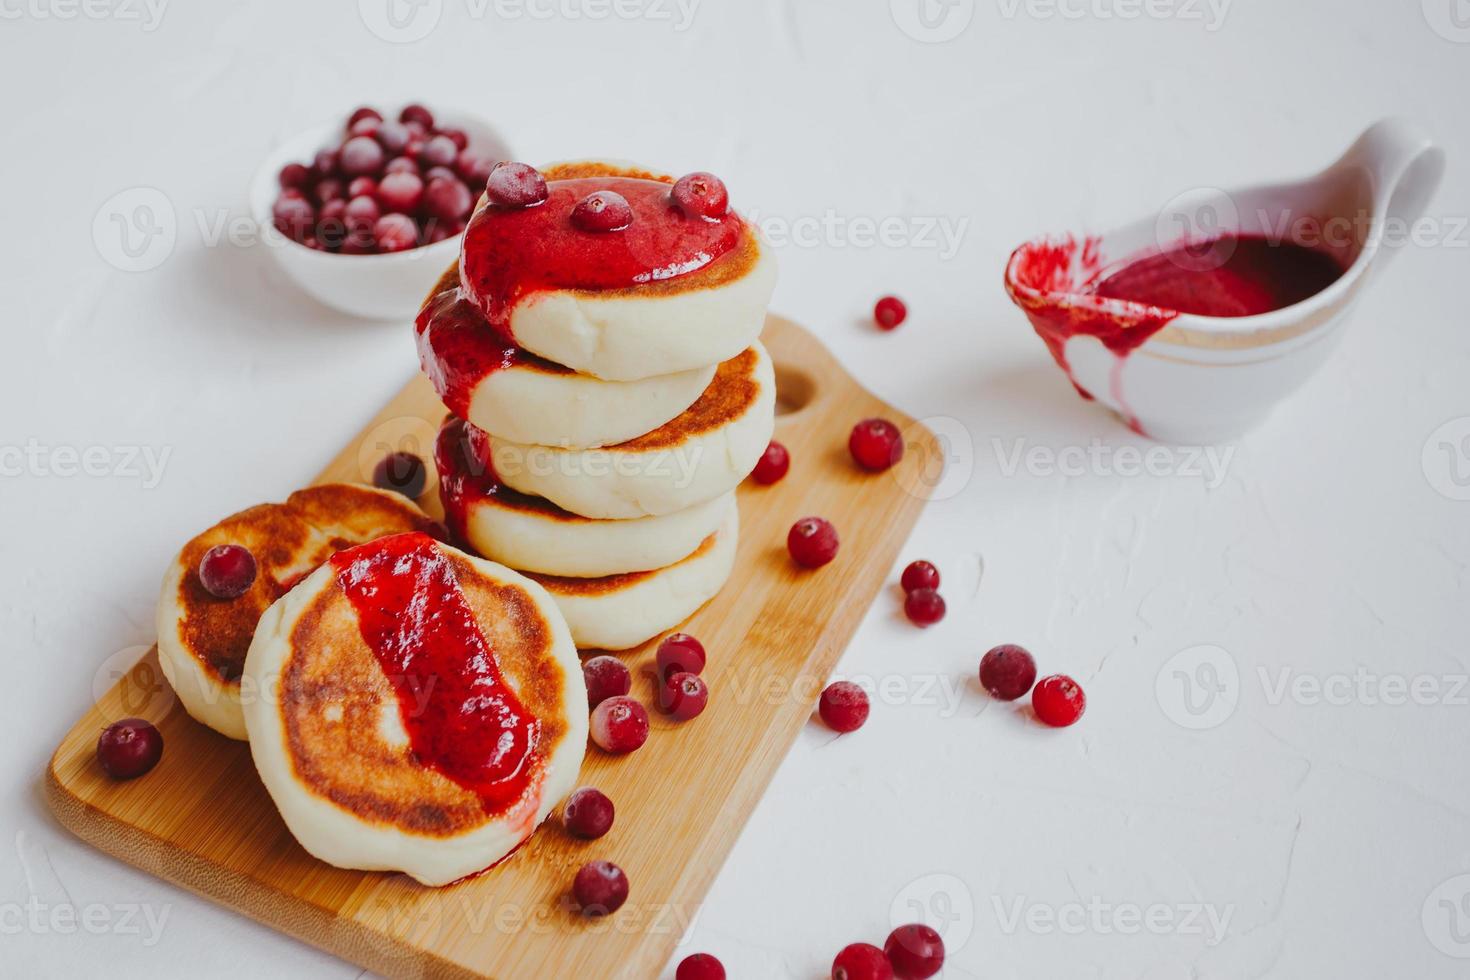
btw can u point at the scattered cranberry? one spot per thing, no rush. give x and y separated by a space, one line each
294 175
1007 672
876 444
619 725
515 185
402 472
600 888
843 706
415 113
861 961
923 607
687 695
679 653
602 211
916 952
812 542
361 113
1058 701
395 233
772 465
588 813
361 155
702 195
227 571
920 575
400 191
606 677
700 966
447 198
293 216
889 312
129 748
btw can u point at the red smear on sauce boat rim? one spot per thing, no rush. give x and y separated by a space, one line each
1227 277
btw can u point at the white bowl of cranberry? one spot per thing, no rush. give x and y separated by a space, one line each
365 214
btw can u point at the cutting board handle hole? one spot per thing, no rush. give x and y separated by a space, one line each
795 389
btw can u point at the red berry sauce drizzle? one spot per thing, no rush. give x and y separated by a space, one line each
456 350
1062 287
510 253
462 458
462 719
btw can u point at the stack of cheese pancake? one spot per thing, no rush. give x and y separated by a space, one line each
596 344
409 707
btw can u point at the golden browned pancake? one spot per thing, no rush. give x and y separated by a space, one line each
335 741
202 639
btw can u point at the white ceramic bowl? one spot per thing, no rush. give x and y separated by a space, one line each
378 287
1201 379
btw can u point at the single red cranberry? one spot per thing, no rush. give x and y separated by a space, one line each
415 144
460 137
687 696
293 216
361 156
812 542
602 211
365 127
619 725
701 195
361 214
447 198
439 151
700 966
129 748
362 187
923 607
400 165
416 129
330 189
588 813
515 185
1007 672
876 444
324 164
1058 701
392 136
861 961
473 168
916 952
920 575
401 472
600 888
294 175
889 312
227 571
772 465
415 113
843 706
400 192
606 677
396 233
679 653
363 112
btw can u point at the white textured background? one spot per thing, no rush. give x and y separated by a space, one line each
1320 830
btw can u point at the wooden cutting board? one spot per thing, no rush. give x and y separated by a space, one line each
203 820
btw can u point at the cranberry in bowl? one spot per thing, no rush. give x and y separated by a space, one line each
360 212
